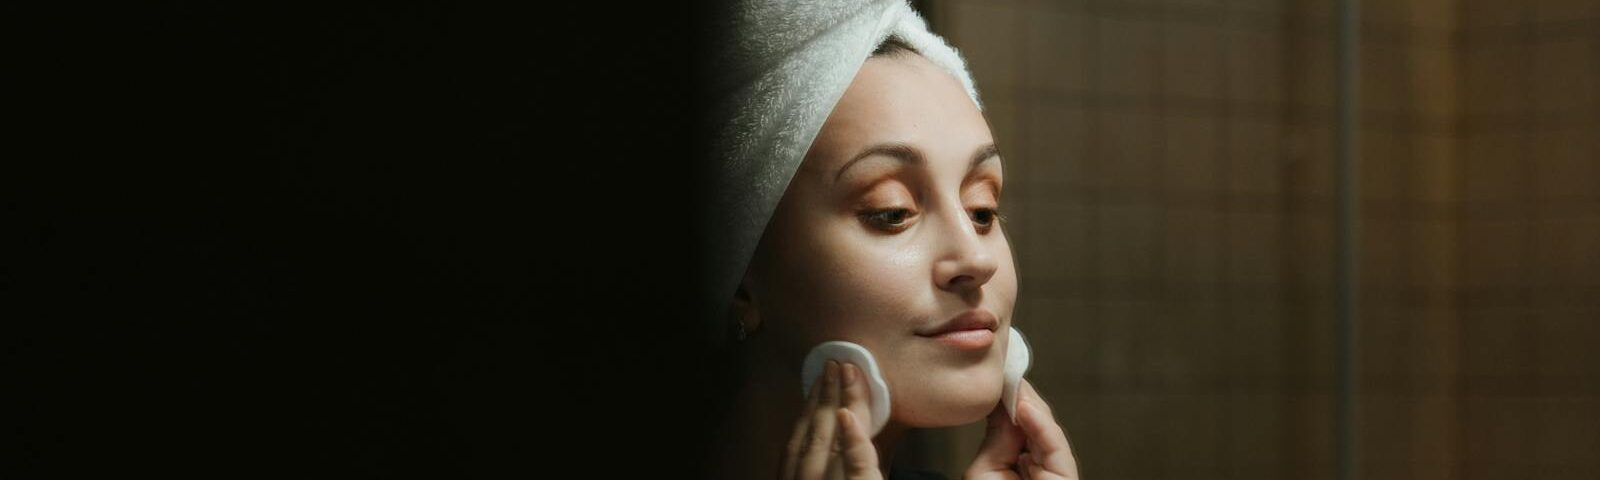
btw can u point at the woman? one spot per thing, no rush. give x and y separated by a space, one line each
886 235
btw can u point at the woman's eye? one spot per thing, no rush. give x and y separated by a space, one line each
892 218
986 216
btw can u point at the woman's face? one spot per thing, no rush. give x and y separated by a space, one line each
888 232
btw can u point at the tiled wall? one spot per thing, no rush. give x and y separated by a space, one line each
1529 229
1170 184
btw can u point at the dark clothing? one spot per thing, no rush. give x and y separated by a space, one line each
904 474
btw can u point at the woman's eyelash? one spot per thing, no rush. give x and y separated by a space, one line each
994 215
897 217
880 216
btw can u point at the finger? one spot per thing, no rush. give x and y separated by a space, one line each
857 397
859 456
801 430
819 445
1047 447
1002 442
1030 392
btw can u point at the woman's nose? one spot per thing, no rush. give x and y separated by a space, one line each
965 262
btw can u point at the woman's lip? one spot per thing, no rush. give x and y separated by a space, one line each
966 339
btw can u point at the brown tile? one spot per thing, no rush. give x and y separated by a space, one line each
1394 13
1431 253
1255 157
1564 10
1056 56
1383 161
1566 339
1562 78
1310 171
1058 243
1120 360
1254 247
1565 164
1057 150
1193 246
1129 445
1385 355
1311 437
1311 247
1433 82
1492 254
1128 159
1437 336
1062 335
1568 433
1499 431
971 28
1261 6
1386 73
1497 344
1192 65
1436 14
1256 445
1494 171
1256 343
1566 253
1127 55
1313 72
1255 67
1203 5
1435 168
1387 436
1130 242
1434 422
1192 146
1191 424
1492 13
1495 80
1198 347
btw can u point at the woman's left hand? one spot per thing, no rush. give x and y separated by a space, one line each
1036 449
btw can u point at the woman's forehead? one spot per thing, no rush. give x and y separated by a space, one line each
903 100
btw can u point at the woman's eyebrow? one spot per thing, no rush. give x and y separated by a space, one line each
908 154
983 154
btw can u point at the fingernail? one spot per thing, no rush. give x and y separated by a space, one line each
849 373
832 371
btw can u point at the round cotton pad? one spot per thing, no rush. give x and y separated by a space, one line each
858 355
1018 358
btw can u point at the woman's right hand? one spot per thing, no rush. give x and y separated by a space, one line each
1035 448
829 439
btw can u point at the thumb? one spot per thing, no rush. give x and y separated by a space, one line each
1002 442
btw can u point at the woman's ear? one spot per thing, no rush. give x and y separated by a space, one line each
745 311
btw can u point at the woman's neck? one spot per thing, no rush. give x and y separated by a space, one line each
752 436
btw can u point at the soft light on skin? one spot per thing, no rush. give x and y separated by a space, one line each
832 264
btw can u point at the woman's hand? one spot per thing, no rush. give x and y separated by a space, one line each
1036 449
829 439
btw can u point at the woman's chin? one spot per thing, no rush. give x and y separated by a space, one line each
947 407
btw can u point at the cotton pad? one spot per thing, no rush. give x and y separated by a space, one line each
1018 358
847 352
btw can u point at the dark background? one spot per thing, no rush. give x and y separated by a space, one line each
366 240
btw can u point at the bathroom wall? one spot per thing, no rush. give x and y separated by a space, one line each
1529 230
1171 192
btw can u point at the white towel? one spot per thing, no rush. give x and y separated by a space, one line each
780 68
